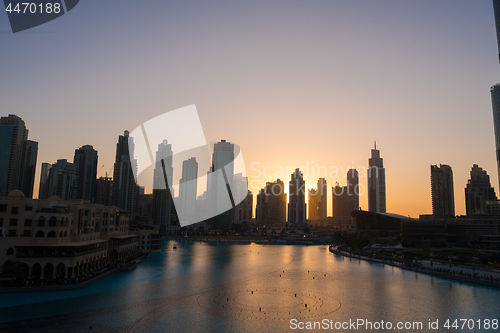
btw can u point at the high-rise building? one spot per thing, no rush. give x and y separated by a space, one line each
162 196
188 190
243 210
27 178
495 91
44 175
276 203
17 157
346 198
62 180
125 190
443 197
376 183
261 207
86 160
312 205
104 191
322 193
478 192
222 158
297 202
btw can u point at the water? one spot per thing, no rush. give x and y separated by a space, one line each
202 287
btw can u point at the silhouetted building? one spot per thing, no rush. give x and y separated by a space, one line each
62 180
188 190
261 207
495 91
297 202
27 178
44 175
86 160
162 195
271 204
322 193
104 191
376 183
443 197
312 205
222 158
17 157
478 192
125 190
346 198
243 210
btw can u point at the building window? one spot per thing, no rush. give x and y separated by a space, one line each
40 234
28 208
1 222
41 221
28 222
13 222
10 251
12 233
14 210
27 233
3 208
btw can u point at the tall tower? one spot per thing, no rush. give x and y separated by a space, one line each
17 157
322 198
297 202
477 192
125 190
86 160
223 155
162 196
188 189
376 183
313 205
44 175
495 91
443 197
352 191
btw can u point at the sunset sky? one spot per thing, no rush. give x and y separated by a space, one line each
293 83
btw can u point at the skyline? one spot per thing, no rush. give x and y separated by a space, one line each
321 82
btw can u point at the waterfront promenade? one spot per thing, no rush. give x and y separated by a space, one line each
461 273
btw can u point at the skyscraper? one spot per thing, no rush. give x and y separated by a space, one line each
86 160
322 193
125 189
297 202
44 175
62 180
477 192
443 197
376 183
495 91
188 190
352 191
17 157
346 198
27 178
162 196
222 158
312 205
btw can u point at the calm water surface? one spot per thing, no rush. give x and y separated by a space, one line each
202 287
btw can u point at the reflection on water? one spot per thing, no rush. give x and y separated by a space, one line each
246 288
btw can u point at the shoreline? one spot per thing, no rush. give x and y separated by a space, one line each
432 272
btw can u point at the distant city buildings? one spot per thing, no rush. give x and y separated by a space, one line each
188 190
322 193
271 204
312 204
376 183
297 202
443 197
478 193
17 157
345 200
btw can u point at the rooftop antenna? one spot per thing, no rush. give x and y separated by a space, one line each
375 145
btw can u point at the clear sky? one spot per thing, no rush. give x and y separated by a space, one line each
291 82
